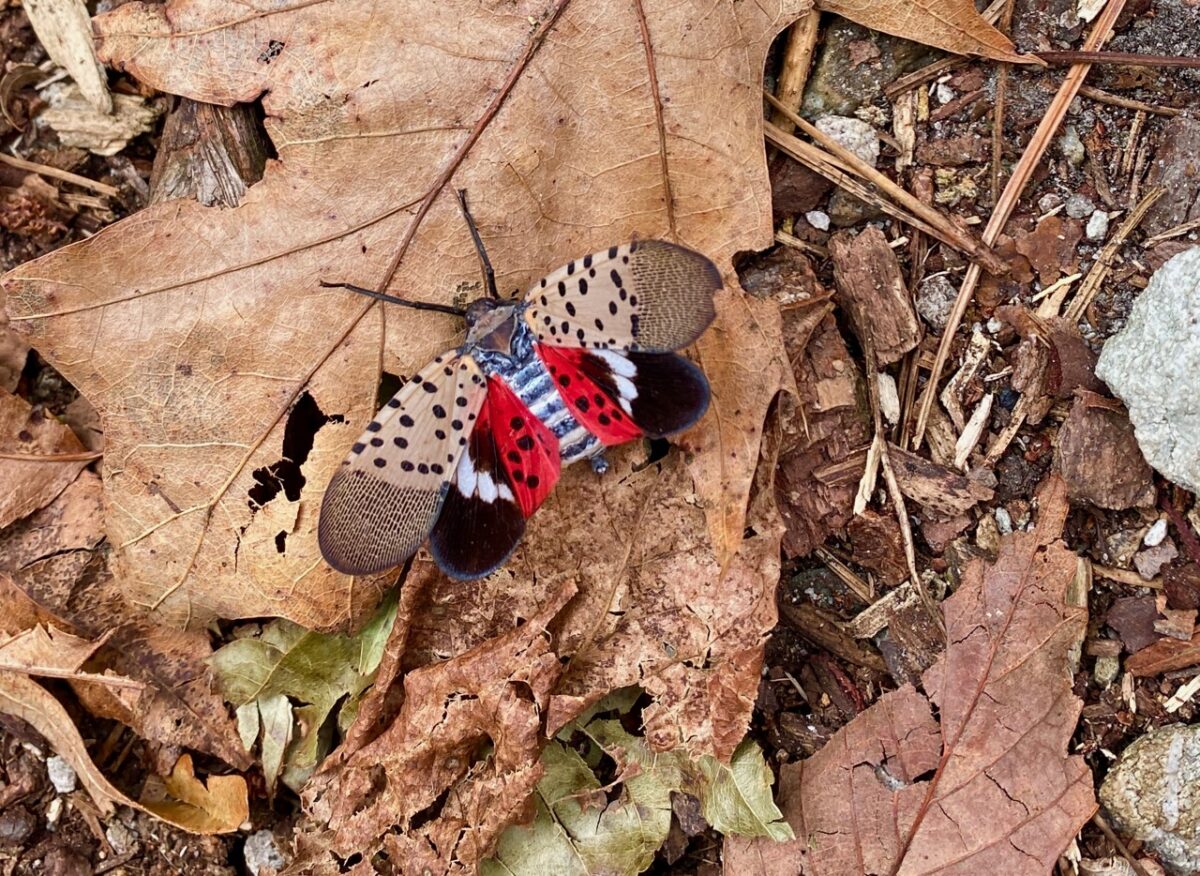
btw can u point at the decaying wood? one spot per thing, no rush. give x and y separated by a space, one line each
797 59
936 488
871 287
210 153
826 632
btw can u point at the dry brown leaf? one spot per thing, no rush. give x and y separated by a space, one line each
497 691
221 806
953 25
1003 795
30 432
197 407
45 648
185 802
55 562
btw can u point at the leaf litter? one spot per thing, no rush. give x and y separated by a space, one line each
987 785
218 522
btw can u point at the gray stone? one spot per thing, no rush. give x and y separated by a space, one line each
1152 793
1153 364
261 851
854 135
935 297
1097 226
838 85
1079 206
62 774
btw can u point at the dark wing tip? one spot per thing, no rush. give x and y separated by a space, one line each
473 538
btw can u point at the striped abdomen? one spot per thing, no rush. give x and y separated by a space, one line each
532 385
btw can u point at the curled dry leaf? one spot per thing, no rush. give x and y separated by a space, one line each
1002 795
953 25
220 806
423 785
184 800
26 433
52 567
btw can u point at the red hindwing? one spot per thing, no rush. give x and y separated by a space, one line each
527 450
587 383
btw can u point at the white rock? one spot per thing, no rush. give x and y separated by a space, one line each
1003 521
62 774
994 325
889 398
261 852
1072 147
817 219
1079 206
1153 364
944 93
1156 533
854 134
1097 226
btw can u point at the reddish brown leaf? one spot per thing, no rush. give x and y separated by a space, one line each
495 692
1002 796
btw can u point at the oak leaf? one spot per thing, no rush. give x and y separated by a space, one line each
988 786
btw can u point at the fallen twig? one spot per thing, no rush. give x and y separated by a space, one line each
1008 201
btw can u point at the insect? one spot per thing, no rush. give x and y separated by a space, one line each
472 444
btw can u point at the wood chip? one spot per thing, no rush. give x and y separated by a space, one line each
871 287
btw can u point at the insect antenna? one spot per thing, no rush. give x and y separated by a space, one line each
485 264
392 299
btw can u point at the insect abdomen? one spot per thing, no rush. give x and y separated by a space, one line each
533 385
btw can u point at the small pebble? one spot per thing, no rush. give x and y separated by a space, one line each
1007 398
17 824
1048 202
1003 521
1150 561
889 398
120 837
935 298
1156 533
994 325
62 774
54 811
853 134
1105 671
261 851
1079 206
944 93
817 219
1097 226
1072 147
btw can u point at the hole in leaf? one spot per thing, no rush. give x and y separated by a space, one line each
281 541
304 421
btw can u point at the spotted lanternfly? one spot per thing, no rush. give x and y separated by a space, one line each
472 444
